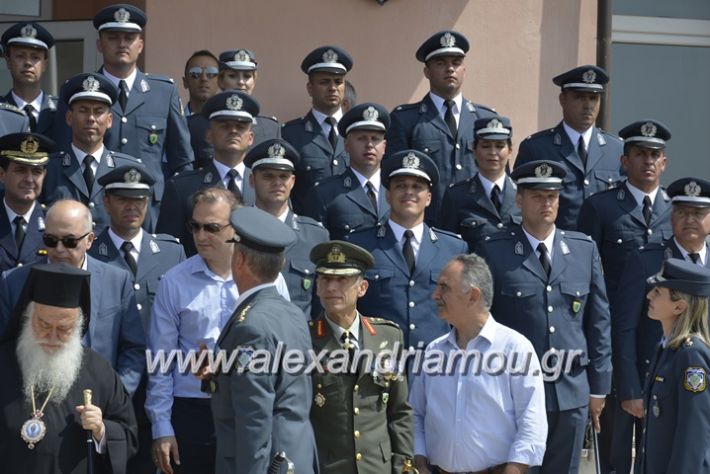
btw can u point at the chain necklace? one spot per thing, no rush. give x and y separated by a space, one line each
34 429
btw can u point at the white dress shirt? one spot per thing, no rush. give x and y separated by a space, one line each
488 184
325 126
374 180
549 243
354 331
574 135
441 106
80 155
115 80
703 252
12 214
36 104
472 421
136 241
639 195
223 169
418 231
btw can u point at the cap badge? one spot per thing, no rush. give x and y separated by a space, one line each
648 129
29 145
335 255
495 123
122 15
543 171
370 114
330 56
692 189
132 176
28 31
589 76
234 102
447 40
410 161
242 56
90 84
276 151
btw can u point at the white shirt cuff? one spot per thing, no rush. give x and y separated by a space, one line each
101 444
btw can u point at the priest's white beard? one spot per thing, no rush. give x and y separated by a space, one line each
45 371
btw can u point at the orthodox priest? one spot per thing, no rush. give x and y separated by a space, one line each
45 425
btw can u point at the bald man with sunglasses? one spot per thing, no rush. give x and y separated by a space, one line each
115 329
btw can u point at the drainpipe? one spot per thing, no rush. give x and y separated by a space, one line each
604 13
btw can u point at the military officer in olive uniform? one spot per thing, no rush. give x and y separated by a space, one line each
634 335
257 415
409 255
361 418
356 198
23 160
74 172
12 120
676 396
26 46
589 155
230 114
549 287
272 164
148 119
441 124
485 203
316 136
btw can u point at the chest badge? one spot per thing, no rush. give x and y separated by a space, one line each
319 400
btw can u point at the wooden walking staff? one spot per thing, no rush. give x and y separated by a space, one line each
89 437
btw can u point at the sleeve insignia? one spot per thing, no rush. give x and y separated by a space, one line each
244 356
695 379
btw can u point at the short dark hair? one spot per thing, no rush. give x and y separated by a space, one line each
202 52
266 266
350 93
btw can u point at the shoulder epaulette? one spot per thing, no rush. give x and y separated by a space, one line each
158 77
541 133
572 234
406 107
125 156
446 232
382 322
11 108
267 117
484 107
166 238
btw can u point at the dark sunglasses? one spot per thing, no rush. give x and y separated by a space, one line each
211 227
52 241
195 72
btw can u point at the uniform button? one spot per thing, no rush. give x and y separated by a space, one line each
550 309
499 225
411 304
647 361
152 127
655 397
347 227
586 182
619 241
377 277
356 410
335 162
358 456
458 166
458 146
357 434
649 231
136 286
411 282
356 388
308 167
139 306
124 120
91 205
412 327
306 271
411 348
548 288
124 140
552 329
518 293
19 264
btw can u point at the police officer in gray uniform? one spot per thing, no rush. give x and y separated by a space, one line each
257 415
12 120
26 46
634 335
356 198
441 124
73 173
485 203
316 136
272 164
549 287
230 114
589 155
408 253
148 119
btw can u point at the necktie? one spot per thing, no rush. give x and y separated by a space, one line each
495 196
127 247
232 184
88 172
449 117
29 111
122 94
582 151
408 250
647 209
333 134
695 257
20 231
544 258
371 195
347 344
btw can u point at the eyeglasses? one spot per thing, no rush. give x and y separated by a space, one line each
52 241
211 227
195 72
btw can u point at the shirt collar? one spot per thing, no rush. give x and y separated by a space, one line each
80 154
36 104
549 241
398 230
115 80
223 169
283 216
320 116
702 252
12 214
488 184
338 331
639 195
250 291
199 265
118 240
574 135
487 332
439 103
375 179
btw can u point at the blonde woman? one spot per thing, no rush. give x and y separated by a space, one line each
676 396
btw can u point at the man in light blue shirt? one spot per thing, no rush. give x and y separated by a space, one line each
477 420
194 301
